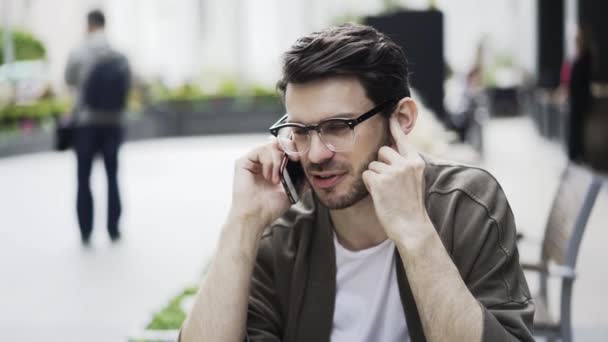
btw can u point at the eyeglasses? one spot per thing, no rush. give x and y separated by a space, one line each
338 134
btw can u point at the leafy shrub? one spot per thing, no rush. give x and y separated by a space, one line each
27 47
41 110
172 316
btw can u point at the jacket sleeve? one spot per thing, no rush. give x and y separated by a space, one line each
263 315
73 69
483 247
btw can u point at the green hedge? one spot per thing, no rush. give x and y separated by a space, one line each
228 88
172 316
41 110
27 47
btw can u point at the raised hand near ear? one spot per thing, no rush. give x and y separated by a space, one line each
257 194
396 184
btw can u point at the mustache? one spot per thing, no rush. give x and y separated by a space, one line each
330 165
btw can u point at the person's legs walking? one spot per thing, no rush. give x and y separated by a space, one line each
84 145
575 150
111 145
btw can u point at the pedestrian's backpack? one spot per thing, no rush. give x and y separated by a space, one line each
107 85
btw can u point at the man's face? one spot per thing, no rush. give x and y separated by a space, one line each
336 176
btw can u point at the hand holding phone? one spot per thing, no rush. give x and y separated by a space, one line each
292 177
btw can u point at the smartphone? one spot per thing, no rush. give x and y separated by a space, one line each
292 177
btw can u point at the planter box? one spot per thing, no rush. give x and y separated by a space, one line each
43 140
38 140
504 101
216 116
225 115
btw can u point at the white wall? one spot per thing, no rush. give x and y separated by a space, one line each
161 37
509 26
59 24
180 40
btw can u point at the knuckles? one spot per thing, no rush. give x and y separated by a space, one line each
239 162
384 150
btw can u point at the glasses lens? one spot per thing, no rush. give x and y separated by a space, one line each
337 135
293 139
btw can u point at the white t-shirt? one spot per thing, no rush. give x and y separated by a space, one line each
368 305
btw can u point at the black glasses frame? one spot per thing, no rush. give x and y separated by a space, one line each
352 123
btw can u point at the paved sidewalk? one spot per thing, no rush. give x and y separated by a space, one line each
52 289
176 193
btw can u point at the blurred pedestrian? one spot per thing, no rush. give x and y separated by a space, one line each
100 77
579 93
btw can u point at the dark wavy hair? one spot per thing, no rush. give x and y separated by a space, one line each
96 18
353 50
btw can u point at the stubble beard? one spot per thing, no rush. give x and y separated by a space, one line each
356 194
357 191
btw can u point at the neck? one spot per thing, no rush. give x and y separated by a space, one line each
94 30
357 227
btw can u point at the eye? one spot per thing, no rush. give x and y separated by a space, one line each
335 127
298 131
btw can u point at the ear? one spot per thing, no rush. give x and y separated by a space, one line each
406 113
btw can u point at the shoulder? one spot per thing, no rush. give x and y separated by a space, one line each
446 179
284 236
468 207
79 52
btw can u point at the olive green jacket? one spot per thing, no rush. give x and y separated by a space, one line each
294 282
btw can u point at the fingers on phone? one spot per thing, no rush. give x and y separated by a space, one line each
267 167
266 159
272 162
277 157
292 147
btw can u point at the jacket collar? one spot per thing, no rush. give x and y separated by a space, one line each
316 314
315 319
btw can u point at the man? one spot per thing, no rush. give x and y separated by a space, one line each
386 245
579 92
100 77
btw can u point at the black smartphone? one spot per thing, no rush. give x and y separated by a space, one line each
292 177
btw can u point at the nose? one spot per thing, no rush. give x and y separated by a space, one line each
318 152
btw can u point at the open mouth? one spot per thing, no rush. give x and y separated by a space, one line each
327 180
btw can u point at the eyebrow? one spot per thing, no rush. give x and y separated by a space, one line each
344 115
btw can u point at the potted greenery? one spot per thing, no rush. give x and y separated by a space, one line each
187 110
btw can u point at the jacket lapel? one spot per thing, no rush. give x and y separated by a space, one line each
316 315
414 326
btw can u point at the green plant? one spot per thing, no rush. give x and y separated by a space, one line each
27 47
156 90
41 110
391 5
262 91
172 316
185 92
501 61
228 87
348 18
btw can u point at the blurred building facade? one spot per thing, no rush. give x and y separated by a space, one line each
191 40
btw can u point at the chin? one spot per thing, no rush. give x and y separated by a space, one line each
336 200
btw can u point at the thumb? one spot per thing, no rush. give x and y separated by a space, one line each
367 177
